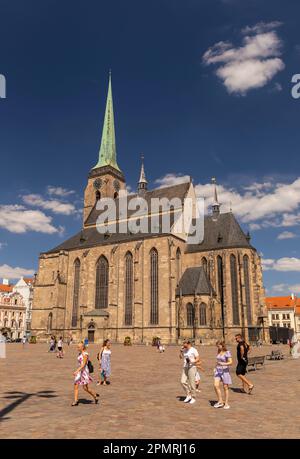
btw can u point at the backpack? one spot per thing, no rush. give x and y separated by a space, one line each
90 366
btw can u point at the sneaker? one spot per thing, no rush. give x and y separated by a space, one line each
218 405
192 401
226 407
187 399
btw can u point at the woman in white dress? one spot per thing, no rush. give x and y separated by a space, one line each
105 363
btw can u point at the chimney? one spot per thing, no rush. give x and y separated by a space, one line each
5 281
293 296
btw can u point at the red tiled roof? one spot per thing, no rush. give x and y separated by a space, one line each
6 288
282 302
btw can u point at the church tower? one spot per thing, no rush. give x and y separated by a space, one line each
106 178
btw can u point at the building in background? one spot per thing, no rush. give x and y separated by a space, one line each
20 295
12 315
284 311
24 287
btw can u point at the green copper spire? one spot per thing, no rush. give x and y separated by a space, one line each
107 153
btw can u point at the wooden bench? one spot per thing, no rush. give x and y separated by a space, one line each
276 355
254 361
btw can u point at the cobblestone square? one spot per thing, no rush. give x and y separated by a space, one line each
144 399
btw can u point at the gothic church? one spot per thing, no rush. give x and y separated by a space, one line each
146 285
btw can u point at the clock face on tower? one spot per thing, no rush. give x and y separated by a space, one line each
97 183
116 185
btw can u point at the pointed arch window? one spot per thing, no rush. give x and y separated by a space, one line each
128 288
220 278
221 284
154 287
189 315
247 288
178 266
234 291
202 315
102 276
49 323
76 290
204 264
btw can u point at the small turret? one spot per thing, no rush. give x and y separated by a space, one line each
215 205
142 184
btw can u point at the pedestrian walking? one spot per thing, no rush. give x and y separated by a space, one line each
60 353
190 357
104 358
51 344
82 375
242 362
222 375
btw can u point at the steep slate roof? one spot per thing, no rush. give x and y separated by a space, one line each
171 192
221 232
194 281
89 236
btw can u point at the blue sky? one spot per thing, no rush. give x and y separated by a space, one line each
201 87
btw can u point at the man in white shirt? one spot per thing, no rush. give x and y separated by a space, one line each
190 357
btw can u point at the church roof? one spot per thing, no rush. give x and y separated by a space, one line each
194 281
176 191
89 236
221 232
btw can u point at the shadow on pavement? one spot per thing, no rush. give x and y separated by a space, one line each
21 397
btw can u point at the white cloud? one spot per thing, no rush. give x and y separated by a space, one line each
8 272
59 191
240 77
286 235
18 219
172 179
261 27
54 205
286 288
251 65
285 264
260 205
